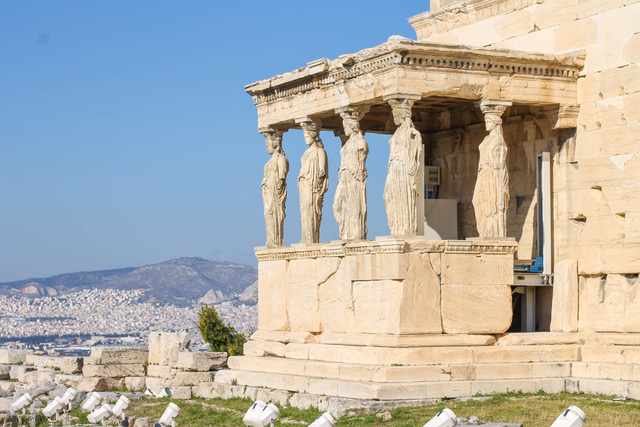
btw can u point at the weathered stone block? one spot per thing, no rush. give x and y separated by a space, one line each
514 24
283 336
631 50
541 41
34 377
527 354
100 384
16 371
304 276
209 390
595 7
66 365
448 389
68 380
336 301
375 306
117 355
554 13
619 81
391 266
504 386
465 308
165 346
160 371
115 371
420 303
264 348
181 392
135 383
4 372
576 34
481 33
201 361
479 269
8 420
13 357
191 378
602 300
272 299
564 309
10 386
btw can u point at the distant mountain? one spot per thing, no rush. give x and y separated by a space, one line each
179 281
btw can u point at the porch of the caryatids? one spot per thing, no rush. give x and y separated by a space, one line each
274 187
313 181
350 202
491 192
401 192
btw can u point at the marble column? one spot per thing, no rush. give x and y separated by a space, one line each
402 187
491 192
350 202
313 181
274 187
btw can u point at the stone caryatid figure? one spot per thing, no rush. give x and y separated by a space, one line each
313 182
350 203
274 188
401 188
491 193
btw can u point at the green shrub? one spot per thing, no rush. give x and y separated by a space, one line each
219 335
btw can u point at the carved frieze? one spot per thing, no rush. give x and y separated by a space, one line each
458 14
386 246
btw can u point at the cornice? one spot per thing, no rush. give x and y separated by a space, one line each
405 54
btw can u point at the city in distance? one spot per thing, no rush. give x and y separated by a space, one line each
124 305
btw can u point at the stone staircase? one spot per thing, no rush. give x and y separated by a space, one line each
451 366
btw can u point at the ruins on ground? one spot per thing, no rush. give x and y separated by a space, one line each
514 249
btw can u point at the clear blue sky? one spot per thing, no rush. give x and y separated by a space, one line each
126 137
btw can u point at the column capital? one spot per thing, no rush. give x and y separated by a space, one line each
493 105
268 131
310 123
353 112
562 116
414 96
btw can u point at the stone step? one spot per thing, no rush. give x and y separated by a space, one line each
385 374
623 388
416 355
385 391
606 371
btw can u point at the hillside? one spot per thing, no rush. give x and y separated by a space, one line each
179 281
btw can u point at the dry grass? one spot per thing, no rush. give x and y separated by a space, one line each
533 410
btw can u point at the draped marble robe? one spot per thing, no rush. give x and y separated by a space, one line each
491 193
313 182
401 187
350 202
274 191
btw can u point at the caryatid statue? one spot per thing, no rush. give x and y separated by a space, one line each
274 188
491 193
350 203
313 182
401 188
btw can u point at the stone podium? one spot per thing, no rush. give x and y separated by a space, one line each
386 287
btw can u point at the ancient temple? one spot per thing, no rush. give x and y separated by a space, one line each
514 246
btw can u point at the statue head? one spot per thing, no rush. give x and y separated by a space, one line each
311 129
401 110
491 121
350 125
273 139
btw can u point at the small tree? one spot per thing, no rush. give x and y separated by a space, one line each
219 335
